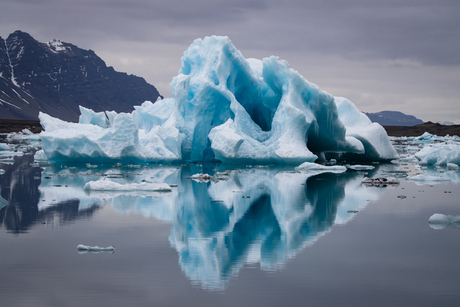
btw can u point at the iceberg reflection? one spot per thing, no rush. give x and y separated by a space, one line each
259 216
251 215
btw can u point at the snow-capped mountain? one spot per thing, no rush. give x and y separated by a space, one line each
56 77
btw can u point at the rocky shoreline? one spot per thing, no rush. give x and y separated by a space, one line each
13 125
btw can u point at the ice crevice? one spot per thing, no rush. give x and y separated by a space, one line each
226 108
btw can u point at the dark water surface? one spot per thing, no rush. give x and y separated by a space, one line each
262 237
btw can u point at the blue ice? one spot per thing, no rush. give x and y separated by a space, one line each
228 108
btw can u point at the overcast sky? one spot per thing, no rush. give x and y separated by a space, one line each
381 54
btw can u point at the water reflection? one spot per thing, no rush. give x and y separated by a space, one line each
259 216
20 189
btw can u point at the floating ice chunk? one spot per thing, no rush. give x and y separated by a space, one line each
24 135
108 185
439 154
441 221
314 167
358 167
452 166
4 146
83 249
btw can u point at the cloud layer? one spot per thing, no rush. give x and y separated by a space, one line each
383 55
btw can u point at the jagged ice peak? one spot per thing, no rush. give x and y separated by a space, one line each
228 108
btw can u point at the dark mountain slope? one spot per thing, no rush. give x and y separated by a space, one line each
57 77
394 118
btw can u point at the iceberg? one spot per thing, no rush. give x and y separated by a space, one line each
439 154
225 108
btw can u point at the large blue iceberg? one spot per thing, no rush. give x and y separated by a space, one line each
226 108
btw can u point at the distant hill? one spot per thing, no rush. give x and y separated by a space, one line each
394 118
56 77
417 130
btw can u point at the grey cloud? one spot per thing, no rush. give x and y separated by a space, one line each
307 33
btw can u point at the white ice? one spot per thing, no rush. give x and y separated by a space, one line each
319 168
228 108
439 154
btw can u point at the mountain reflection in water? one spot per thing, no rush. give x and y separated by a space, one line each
257 216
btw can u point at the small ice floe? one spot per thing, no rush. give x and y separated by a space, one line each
452 167
380 182
358 167
83 249
441 221
319 168
201 177
4 146
108 185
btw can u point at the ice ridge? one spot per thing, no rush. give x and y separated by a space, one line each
228 108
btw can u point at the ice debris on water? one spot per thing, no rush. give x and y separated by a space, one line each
439 154
228 108
108 185
24 135
441 221
83 249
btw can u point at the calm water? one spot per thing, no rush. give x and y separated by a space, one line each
262 237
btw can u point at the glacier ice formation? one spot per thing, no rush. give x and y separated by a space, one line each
228 108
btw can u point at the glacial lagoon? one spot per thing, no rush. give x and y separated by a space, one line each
254 235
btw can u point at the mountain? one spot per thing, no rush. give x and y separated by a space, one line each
56 77
394 118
